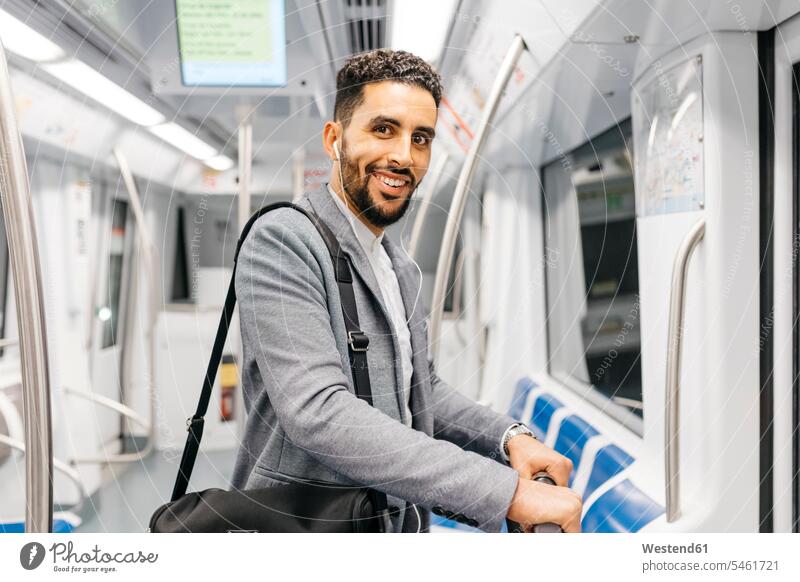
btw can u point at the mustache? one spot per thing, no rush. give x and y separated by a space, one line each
394 170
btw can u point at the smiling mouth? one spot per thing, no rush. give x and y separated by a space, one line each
391 186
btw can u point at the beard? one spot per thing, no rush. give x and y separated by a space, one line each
357 190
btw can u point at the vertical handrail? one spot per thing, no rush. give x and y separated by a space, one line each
149 263
425 203
245 153
462 189
674 343
29 294
245 170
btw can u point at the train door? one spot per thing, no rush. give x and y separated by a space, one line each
696 160
112 265
657 211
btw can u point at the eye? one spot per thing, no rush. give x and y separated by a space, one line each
421 139
382 129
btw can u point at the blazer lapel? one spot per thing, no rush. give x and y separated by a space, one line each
326 209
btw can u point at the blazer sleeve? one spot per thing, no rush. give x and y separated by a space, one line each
286 323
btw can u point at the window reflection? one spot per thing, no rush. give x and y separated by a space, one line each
592 269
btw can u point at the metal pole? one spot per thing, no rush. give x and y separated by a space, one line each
674 342
462 189
24 255
425 203
245 153
245 170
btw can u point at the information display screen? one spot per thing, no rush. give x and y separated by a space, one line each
232 43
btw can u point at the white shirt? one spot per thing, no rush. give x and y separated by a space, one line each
390 290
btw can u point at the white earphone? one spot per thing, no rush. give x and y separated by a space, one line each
336 148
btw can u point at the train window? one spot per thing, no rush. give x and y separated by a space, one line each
592 273
109 311
455 286
180 273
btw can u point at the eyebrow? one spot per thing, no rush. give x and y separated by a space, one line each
392 121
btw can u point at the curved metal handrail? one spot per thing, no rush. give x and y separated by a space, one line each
150 262
462 189
60 466
126 411
24 257
674 344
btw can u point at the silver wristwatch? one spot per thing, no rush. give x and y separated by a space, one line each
511 432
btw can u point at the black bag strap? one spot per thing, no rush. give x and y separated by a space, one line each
357 345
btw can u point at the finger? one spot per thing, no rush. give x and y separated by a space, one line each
560 471
525 471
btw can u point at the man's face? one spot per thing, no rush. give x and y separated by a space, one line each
386 149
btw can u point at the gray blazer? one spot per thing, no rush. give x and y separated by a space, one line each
305 422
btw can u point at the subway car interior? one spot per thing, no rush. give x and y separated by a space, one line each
608 237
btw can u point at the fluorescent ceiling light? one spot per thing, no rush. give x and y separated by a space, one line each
184 140
219 163
22 40
85 79
422 35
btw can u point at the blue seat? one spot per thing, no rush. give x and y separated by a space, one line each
59 526
521 392
622 509
452 524
609 461
543 410
572 436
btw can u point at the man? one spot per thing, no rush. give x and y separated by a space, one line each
422 443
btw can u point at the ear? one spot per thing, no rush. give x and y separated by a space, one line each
331 133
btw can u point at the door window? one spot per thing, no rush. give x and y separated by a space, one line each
592 272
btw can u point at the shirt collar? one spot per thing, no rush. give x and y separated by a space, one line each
369 242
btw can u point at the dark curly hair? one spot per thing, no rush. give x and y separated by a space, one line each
376 66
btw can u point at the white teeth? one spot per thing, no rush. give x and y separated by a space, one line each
391 182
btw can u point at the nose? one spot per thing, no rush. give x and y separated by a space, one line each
400 154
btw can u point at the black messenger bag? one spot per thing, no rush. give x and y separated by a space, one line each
295 507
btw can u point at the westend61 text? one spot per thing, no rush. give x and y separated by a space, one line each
672 549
